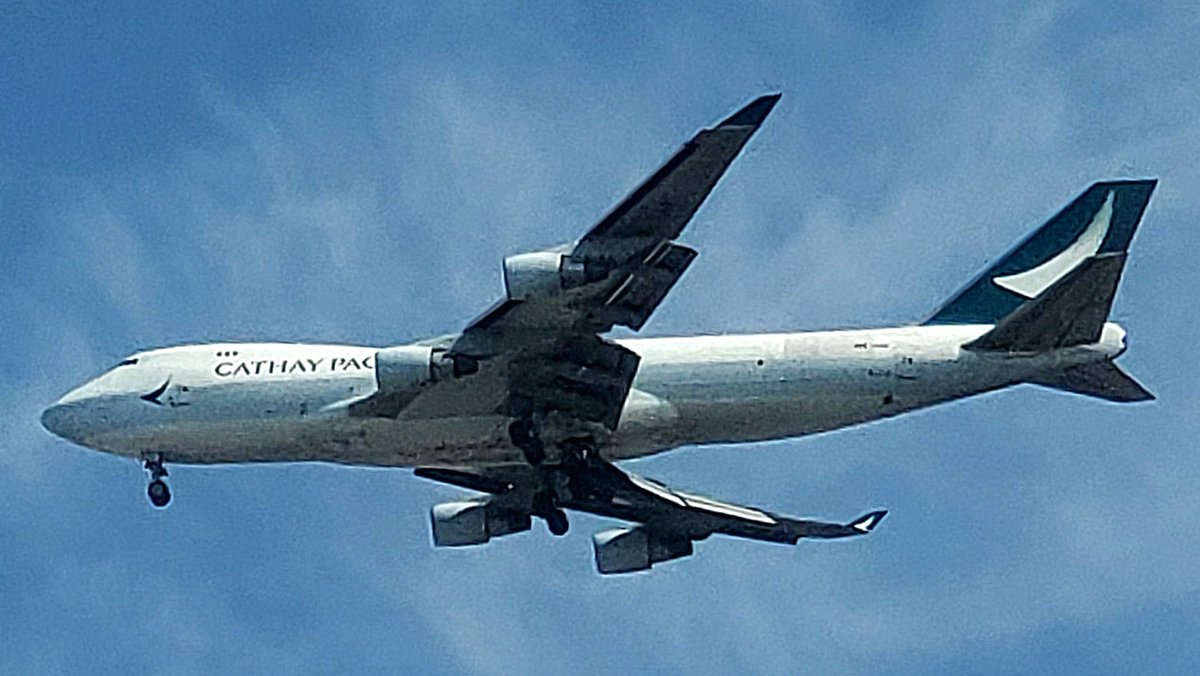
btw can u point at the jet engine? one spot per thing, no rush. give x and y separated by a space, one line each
473 522
545 273
405 368
626 550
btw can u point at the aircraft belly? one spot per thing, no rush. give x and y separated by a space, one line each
800 384
367 441
762 390
706 422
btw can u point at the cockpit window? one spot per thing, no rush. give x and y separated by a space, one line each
127 362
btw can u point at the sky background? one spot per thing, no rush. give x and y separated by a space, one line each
330 172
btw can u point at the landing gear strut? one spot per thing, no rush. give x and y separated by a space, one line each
576 454
579 456
158 491
524 435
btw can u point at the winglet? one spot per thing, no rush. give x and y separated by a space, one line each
753 113
867 522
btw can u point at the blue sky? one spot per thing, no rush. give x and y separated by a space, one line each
319 172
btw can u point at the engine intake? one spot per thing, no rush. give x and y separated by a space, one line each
405 368
473 522
627 550
545 273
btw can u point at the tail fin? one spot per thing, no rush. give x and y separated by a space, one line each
1099 222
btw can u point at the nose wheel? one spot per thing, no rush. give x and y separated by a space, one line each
158 491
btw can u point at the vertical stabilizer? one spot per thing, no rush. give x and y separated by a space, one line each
1099 222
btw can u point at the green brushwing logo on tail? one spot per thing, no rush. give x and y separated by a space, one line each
1101 220
1036 280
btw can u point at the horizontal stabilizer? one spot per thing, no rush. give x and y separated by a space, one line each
1104 380
1071 312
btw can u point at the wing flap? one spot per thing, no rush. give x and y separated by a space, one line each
641 292
585 377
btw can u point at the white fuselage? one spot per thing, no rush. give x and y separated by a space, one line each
272 402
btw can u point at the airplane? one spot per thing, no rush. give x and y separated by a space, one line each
532 406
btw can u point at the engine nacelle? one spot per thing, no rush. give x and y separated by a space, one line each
626 550
404 369
473 522
545 273
530 275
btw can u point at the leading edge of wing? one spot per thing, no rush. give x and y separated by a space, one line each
751 115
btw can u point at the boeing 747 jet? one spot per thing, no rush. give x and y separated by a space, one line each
531 406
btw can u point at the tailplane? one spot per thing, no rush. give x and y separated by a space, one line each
1071 312
1104 380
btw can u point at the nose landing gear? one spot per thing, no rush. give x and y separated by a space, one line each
158 491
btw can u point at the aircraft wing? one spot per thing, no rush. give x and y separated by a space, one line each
675 512
657 211
628 261
537 353
668 520
544 335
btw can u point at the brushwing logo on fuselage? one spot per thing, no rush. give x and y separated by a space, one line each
155 396
1032 282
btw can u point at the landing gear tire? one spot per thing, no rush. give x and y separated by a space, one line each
556 522
159 493
535 451
555 518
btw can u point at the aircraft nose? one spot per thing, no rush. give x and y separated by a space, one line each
60 419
